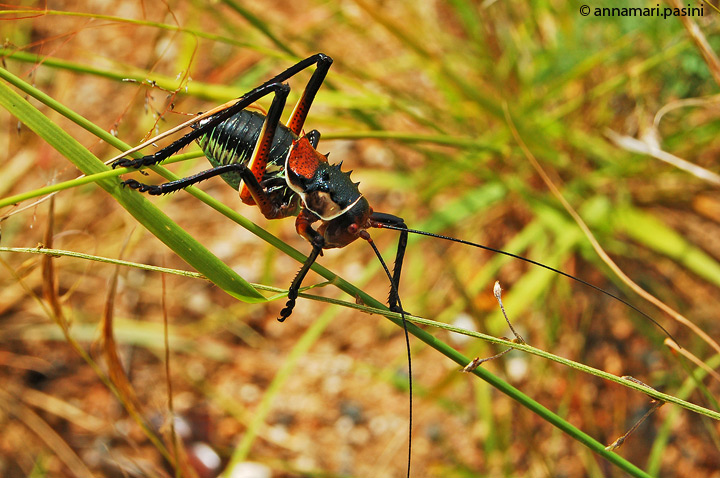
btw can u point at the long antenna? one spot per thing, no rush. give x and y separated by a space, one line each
364 234
540 264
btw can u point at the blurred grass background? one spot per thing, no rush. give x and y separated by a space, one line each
414 105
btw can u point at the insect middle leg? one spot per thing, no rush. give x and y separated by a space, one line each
300 112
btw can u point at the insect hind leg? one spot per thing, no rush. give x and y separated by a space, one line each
297 118
299 114
209 123
259 159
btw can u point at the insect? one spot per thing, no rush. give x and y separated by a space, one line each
278 168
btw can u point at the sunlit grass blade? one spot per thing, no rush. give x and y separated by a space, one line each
143 210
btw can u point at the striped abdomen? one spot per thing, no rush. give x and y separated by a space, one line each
233 141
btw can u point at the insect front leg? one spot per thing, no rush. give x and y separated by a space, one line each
380 219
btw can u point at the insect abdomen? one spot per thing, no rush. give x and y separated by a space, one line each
233 141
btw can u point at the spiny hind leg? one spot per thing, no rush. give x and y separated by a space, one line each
297 119
302 107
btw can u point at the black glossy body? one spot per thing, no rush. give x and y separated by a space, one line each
233 142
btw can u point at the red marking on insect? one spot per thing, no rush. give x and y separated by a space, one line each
304 160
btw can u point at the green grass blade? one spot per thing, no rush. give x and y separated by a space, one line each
143 210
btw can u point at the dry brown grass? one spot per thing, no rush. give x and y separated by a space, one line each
414 106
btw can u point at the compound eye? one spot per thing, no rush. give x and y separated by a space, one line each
353 229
